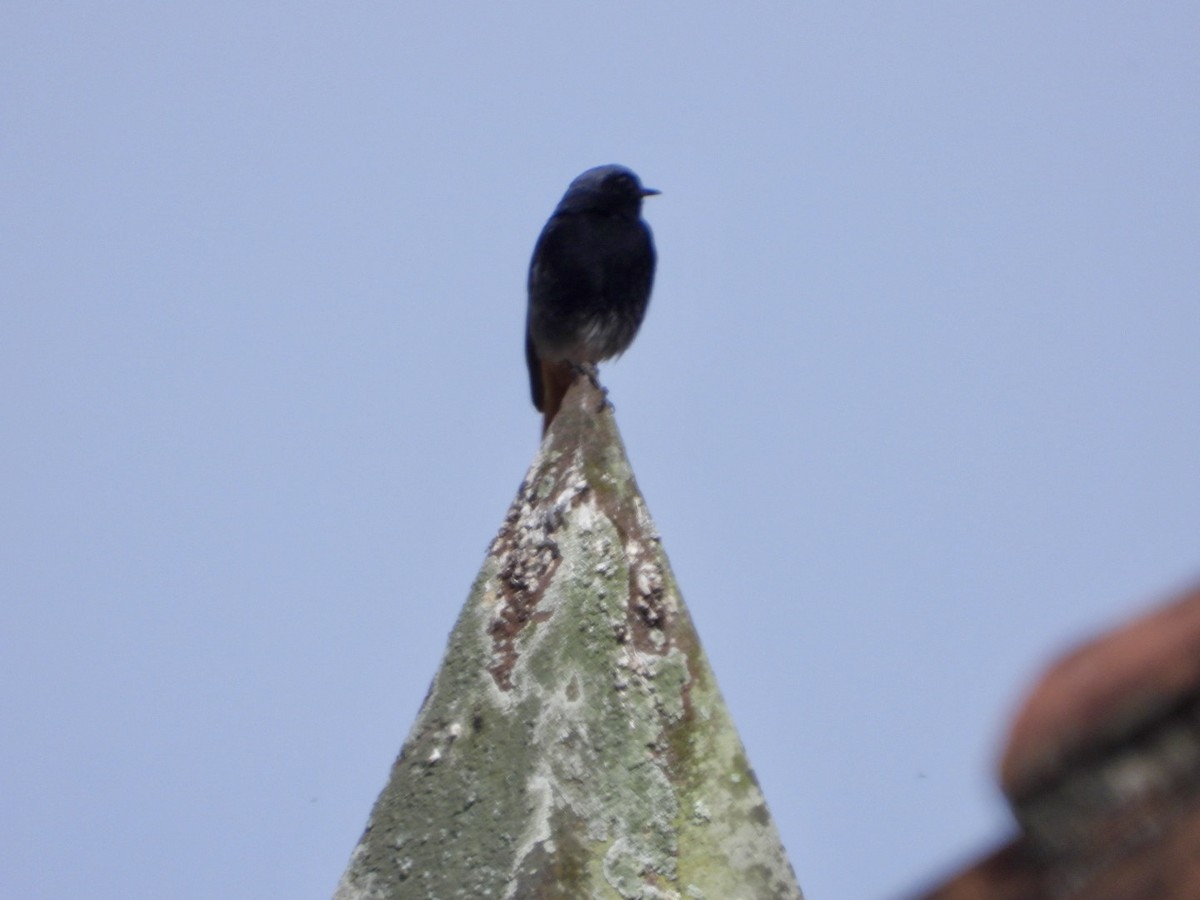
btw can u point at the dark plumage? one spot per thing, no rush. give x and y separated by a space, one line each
589 282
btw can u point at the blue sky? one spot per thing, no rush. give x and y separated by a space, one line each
914 407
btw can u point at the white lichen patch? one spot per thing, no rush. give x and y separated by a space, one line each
649 579
539 789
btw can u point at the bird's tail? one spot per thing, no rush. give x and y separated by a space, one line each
556 378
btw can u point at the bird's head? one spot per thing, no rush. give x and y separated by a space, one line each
606 189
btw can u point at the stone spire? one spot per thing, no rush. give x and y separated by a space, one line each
574 743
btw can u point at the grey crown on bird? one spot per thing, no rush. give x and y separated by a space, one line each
589 282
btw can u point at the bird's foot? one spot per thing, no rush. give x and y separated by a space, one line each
589 371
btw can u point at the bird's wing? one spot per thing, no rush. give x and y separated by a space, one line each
535 370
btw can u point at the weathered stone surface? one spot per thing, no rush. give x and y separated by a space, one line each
574 742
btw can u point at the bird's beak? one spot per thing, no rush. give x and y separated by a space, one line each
649 192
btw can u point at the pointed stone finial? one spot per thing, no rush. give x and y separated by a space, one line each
574 743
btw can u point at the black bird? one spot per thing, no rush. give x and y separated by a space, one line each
589 282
